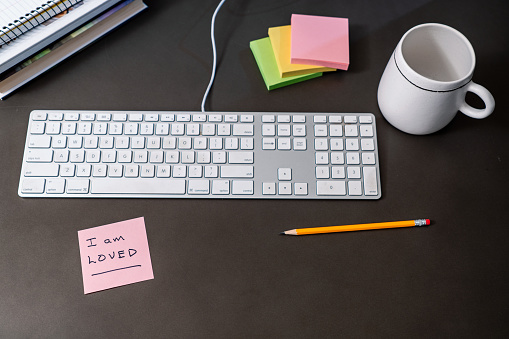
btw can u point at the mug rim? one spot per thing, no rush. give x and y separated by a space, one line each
426 83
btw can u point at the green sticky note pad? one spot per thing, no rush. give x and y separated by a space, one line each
266 60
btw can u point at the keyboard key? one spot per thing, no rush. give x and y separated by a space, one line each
368 158
78 186
321 144
39 116
299 130
120 117
320 130
321 158
138 186
335 119
269 143
352 158
135 117
299 118
351 131
246 118
338 172
195 171
223 129
183 117
269 188
366 131
179 171
55 186
210 171
198 187
365 119
350 119
240 157
370 180
41 170
330 188
32 185
115 171
152 117
38 128
367 145
322 172
163 171
284 144
337 158
354 188
103 117
285 188
39 141
237 171
301 188
215 118
241 187
353 172
56 116
284 118
246 143
283 130
268 118
199 117
167 117
269 130
88 117
230 118
219 157
352 144
220 187
336 130
284 174
320 119
243 130
39 155
299 144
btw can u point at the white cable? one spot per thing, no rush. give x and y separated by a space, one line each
213 40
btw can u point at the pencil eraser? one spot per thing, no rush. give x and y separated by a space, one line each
428 222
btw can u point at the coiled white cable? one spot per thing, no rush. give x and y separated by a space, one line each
214 53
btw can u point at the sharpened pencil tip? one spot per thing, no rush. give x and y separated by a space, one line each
282 233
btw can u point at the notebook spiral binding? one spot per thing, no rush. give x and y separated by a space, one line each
34 18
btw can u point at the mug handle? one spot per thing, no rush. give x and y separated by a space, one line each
485 95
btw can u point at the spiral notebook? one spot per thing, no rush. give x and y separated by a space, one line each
18 17
58 50
38 37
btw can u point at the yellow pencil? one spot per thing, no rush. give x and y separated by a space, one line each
360 227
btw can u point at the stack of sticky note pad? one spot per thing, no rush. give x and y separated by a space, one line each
304 50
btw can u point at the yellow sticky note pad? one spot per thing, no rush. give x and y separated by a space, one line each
280 39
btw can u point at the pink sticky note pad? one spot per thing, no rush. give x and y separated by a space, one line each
320 41
114 255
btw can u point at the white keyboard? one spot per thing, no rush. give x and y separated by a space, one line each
147 154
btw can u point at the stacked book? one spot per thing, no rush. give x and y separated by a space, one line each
303 50
35 35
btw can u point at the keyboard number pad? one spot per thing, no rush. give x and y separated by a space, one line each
345 158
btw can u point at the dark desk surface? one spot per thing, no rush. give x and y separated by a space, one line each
221 269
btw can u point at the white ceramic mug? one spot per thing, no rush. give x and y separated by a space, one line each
427 78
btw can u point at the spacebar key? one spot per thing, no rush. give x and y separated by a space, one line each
137 186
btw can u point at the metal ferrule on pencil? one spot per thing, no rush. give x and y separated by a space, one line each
420 222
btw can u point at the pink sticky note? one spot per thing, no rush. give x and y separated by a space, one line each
320 41
114 255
